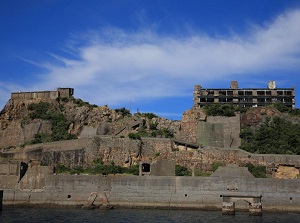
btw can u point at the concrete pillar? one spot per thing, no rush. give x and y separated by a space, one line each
1 198
228 208
255 209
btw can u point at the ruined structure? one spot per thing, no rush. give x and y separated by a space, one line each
230 188
244 97
215 131
60 92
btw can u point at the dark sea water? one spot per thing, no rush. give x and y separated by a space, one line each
137 215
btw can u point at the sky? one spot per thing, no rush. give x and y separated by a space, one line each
147 55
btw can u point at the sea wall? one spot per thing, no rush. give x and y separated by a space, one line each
155 191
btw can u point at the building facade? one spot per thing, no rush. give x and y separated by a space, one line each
245 97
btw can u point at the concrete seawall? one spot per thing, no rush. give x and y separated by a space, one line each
155 191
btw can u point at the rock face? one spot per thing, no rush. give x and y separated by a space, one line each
86 121
16 128
255 116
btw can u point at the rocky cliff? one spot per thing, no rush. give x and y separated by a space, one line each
20 123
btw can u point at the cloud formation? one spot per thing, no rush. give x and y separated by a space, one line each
112 66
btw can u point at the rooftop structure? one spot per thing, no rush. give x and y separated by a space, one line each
60 92
244 97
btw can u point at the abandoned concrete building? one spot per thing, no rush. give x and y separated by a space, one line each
244 97
60 92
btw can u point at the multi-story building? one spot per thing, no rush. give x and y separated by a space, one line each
245 97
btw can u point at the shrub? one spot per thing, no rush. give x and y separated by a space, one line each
149 115
39 110
199 173
220 110
123 111
257 171
215 166
134 136
153 126
60 124
80 102
182 171
133 169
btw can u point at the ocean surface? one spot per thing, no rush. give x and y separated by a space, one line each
32 215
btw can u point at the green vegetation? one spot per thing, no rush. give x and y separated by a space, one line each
134 136
80 102
123 111
39 110
215 166
99 168
182 171
257 171
226 110
282 108
200 173
163 133
219 110
275 136
152 130
149 115
60 124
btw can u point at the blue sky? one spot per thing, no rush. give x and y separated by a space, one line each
147 55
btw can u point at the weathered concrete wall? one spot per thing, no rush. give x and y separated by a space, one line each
10 168
217 131
220 132
162 168
34 95
155 191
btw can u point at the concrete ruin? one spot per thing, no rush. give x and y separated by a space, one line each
244 97
222 191
60 92
157 168
214 131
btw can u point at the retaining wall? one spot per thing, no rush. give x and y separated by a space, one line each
156 191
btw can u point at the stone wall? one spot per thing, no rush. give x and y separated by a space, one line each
189 124
125 152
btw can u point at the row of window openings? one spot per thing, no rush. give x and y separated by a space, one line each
250 105
247 100
250 93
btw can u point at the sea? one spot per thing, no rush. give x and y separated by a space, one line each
32 215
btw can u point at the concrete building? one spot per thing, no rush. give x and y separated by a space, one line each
244 97
60 92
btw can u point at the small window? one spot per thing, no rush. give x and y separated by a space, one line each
145 167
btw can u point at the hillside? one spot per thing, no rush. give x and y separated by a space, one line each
70 133
36 121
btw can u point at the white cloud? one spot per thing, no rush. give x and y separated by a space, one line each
113 65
